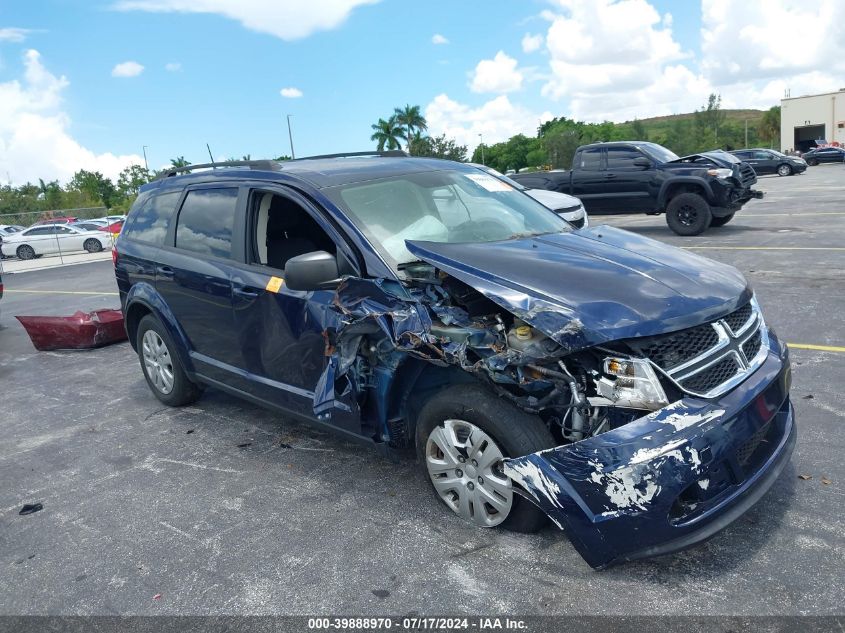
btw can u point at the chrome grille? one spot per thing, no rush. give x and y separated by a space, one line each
708 360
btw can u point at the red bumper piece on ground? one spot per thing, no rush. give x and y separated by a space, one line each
79 331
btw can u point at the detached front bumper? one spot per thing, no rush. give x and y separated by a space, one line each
670 479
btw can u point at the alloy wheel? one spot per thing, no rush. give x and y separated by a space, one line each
157 361
784 170
687 215
465 466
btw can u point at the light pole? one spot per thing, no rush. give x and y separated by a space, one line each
290 137
481 143
144 149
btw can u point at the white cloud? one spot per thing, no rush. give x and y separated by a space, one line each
531 43
290 93
497 120
13 34
127 69
288 20
34 138
756 41
438 39
173 67
499 74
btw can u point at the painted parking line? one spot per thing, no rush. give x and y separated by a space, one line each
817 348
764 248
63 292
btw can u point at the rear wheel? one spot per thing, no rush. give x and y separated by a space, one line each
463 434
25 251
784 170
722 221
688 214
162 369
92 246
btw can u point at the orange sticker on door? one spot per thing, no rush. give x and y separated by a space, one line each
275 284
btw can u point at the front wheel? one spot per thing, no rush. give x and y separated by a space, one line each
463 435
25 251
92 246
784 170
688 214
722 221
812 162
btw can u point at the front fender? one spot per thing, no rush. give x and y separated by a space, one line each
684 180
145 294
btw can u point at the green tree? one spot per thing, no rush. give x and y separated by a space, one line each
708 120
179 161
387 134
769 128
95 185
131 179
282 157
411 120
437 147
638 130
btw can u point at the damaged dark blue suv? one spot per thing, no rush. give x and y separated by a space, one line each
629 391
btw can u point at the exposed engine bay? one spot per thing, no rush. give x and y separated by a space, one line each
578 394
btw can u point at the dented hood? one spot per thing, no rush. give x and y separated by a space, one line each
593 286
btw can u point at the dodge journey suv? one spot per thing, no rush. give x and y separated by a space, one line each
628 391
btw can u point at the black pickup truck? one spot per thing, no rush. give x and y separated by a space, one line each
695 192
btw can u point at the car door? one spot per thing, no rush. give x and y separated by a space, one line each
68 239
588 180
763 162
193 276
42 239
628 185
285 334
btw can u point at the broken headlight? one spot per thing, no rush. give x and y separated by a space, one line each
631 383
720 173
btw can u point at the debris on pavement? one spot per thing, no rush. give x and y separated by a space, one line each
31 508
805 477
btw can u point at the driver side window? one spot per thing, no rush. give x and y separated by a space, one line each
283 229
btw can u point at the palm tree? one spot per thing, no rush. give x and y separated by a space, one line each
411 119
179 161
387 133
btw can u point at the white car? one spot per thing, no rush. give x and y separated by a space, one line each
46 239
567 207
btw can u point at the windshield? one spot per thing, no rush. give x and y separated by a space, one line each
441 206
658 152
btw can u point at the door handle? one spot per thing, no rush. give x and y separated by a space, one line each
247 291
610 175
164 271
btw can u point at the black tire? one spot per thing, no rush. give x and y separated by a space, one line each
184 391
515 432
722 221
25 251
92 245
812 162
785 170
688 214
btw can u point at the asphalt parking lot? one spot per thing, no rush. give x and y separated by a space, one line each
224 508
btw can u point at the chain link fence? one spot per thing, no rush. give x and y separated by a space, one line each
57 247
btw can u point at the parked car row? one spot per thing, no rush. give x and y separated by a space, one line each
47 239
59 235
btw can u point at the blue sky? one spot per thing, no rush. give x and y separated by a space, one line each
353 62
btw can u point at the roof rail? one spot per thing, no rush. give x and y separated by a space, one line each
391 152
266 165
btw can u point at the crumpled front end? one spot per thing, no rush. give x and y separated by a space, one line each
671 478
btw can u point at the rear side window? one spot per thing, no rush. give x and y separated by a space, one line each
206 221
150 222
590 160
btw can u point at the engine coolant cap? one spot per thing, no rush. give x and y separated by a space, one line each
523 332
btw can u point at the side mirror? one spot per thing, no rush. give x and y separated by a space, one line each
642 162
312 271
